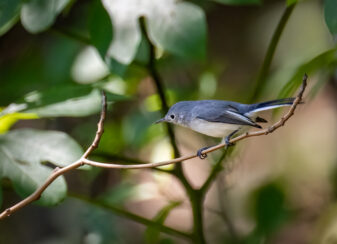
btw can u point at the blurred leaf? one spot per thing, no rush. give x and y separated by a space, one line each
9 14
7 120
270 211
152 233
118 194
23 151
320 62
180 30
103 228
116 67
143 53
239 2
138 128
330 13
39 15
67 100
100 27
166 241
101 33
177 27
291 2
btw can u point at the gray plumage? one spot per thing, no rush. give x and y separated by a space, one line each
219 118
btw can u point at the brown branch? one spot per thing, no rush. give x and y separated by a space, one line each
83 160
100 128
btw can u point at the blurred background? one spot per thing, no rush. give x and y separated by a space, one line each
279 188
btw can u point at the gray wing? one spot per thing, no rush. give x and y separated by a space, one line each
225 114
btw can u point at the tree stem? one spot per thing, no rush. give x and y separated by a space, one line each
132 216
263 73
197 201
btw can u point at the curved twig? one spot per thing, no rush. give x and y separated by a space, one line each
83 160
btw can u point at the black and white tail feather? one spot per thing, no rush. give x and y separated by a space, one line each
258 107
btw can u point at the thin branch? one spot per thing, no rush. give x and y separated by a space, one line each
266 131
132 216
83 160
100 128
124 159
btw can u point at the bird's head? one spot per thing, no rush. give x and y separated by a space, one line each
176 114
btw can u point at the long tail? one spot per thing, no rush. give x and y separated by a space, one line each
257 107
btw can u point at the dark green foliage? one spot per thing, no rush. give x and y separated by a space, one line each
330 10
270 211
323 62
9 14
152 234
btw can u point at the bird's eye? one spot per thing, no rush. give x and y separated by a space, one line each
172 116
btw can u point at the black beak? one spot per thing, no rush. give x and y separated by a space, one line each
159 121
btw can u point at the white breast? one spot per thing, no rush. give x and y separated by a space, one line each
212 128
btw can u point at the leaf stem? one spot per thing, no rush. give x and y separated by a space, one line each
215 171
263 73
132 216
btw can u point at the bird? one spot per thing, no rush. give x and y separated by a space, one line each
219 118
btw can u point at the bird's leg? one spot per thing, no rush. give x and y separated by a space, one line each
202 155
229 137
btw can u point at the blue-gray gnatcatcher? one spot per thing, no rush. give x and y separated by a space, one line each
219 118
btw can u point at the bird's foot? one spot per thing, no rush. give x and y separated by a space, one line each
227 139
200 153
228 143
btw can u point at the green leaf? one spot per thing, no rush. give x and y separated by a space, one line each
239 2
291 2
270 211
23 151
177 27
67 100
7 120
100 28
152 233
330 13
182 31
9 14
39 15
101 33
320 62
71 101
116 67
118 194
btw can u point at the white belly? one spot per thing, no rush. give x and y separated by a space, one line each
212 128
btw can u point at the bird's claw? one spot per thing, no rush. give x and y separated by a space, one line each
228 143
227 139
200 153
